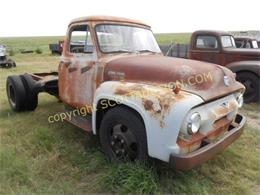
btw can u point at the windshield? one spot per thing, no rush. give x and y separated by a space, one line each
228 41
121 38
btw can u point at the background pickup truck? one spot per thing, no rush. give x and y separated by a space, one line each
5 62
219 47
246 42
56 48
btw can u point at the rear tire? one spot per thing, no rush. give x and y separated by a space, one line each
31 93
16 93
123 136
252 84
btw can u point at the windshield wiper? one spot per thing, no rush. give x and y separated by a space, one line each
145 50
121 51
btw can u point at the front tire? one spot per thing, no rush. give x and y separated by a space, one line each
122 135
252 84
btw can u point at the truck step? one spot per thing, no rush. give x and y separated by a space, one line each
81 122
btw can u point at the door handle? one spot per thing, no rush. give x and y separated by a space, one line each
66 63
72 69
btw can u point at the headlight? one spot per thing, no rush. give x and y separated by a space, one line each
194 123
240 101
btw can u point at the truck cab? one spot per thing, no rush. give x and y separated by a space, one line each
115 83
89 45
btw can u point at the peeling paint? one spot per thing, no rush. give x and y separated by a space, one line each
156 100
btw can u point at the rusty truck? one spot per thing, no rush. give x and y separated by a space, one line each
219 47
143 105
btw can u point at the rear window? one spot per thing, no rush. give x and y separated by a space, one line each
206 42
228 41
254 44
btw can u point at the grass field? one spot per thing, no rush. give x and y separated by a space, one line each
37 157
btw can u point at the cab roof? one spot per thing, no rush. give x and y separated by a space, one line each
107 19
244 38
211 32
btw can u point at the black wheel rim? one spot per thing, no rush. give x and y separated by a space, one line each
123 143
250 88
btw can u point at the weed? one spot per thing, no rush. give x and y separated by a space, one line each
11 52
131 178
38 51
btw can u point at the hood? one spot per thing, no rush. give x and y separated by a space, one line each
203 79
245 54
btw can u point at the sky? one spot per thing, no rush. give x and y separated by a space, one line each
51 17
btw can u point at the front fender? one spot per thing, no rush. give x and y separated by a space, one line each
251 66
161 109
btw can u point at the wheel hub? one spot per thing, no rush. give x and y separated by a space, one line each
249 87
118 145
123 143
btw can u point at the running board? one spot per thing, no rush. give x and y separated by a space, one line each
84 123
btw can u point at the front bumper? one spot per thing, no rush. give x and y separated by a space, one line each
205 153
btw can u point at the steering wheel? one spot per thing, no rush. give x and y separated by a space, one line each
76 49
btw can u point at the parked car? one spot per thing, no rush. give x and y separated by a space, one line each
219 47
120 87
5 62
246 42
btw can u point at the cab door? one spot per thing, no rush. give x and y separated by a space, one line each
77 67
206 48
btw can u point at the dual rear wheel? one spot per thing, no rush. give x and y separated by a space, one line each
21 93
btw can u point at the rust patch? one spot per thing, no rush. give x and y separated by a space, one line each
191 145
85 69
148 105
218 129
128 90
99 75
121 91
164 102
157 101
232 105
72 69
221 111
162 123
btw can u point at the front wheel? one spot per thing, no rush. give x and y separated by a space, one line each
252 84
122 135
